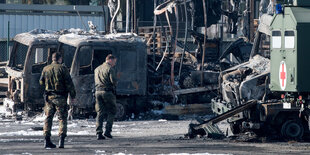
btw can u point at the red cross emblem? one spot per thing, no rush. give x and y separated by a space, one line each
282 75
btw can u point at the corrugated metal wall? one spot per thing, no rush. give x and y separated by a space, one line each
23 23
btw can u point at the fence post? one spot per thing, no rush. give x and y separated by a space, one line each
8 42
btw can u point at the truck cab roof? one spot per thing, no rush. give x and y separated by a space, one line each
76 39
37 36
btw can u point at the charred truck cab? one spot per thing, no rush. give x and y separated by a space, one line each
88 51
31 52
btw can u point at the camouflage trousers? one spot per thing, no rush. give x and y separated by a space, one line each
59 104
105 105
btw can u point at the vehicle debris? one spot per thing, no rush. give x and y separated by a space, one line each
30 53
170 72
255 96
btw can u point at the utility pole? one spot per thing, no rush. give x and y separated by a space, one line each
8 42
127 15
204 39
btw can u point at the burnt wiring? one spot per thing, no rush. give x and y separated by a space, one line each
185 39
157 12
112 27
204 39
166 48
153 34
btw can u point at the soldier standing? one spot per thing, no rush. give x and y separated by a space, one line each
105 83
57 82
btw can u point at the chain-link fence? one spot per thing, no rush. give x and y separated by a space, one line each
3 50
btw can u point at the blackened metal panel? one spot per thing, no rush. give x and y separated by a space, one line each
131 69
84 85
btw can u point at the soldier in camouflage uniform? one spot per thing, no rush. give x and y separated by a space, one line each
105 83
57 82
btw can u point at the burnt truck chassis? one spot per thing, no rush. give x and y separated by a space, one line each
131 67
24 70
32 51
82 53
270 118
247 104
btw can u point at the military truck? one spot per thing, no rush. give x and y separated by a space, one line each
88 51
30 53
82 53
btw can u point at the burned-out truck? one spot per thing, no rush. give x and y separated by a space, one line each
30 53
88 51
82 53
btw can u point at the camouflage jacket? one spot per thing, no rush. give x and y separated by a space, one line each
105 77
56 79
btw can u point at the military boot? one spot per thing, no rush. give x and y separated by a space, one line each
48 143
108 134
100 137
61 142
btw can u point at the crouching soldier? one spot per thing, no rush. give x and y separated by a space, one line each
105 83
57 82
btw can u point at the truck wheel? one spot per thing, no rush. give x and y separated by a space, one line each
120 111
292 130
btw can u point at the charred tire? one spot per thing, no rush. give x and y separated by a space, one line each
292 130
120 111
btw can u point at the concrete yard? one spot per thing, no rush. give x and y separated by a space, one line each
131 137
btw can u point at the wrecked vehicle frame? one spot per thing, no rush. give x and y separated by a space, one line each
30 53
88 51
81 54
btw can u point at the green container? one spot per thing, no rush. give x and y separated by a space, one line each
290 50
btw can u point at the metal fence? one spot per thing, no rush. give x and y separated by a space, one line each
22 50
23 18
3 50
